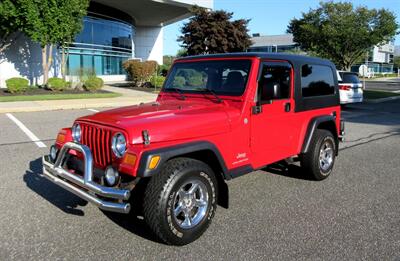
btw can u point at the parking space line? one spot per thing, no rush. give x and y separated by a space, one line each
93 110
28 133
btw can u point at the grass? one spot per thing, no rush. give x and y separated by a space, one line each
57 96
373 95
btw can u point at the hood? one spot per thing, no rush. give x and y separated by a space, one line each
166 121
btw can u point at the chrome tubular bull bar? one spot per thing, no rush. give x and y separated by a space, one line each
85 187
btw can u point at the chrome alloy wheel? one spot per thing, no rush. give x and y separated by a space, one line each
326 155
190 204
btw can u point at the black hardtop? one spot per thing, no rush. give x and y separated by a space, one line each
302 103
294 58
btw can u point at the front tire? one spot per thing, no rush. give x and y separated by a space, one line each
180 201
320 158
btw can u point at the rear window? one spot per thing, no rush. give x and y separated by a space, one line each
317 80
349 78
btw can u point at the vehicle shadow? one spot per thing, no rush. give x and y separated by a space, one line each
57 196
288 170
134 221
69 203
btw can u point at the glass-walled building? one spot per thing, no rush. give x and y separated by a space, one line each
113 32
103 45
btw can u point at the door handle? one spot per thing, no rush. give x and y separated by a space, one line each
287 107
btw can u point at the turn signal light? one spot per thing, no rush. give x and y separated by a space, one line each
154 162
130 159
60 138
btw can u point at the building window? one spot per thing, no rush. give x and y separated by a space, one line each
102 47
316 80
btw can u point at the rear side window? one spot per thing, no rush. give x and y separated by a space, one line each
349 78
316 80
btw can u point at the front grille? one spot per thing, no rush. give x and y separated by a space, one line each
99 142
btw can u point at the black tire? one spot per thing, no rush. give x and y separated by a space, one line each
311 161
162 192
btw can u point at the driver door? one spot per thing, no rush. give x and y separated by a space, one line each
271 130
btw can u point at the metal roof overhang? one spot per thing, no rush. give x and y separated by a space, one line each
156 12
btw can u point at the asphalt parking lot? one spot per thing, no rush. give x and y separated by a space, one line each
354 214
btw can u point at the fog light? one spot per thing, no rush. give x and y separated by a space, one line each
53 153
111 176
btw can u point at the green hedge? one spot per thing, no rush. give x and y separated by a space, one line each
93 84
157 81
57 84
17 85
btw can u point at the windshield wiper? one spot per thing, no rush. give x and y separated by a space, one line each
179 91
219 100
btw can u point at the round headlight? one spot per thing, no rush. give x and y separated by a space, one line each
76 133
118 145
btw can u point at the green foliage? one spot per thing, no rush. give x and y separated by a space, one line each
181 52
93 83
163 69
168 60
157 81
56 84
179 82
10 23
396 62
53 22
140 72
17 85
342 33
209 32
84 73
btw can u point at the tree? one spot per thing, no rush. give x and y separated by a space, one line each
342 33
210 32
10 23
51 22
182 52
396 62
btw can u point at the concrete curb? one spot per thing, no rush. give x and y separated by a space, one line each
383 99
10 107
70 106
128 97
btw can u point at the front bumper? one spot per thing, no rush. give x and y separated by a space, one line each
106 198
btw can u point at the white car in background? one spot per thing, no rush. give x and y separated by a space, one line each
350 87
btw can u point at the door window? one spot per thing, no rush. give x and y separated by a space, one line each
274 82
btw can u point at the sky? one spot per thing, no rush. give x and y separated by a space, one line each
270 17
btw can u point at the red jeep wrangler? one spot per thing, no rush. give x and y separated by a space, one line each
217 117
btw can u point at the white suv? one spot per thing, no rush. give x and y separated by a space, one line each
350 87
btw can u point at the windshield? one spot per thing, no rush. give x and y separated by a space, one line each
224 77
349 78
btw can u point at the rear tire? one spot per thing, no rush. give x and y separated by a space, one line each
180 201
320 158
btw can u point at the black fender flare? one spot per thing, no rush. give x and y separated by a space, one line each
313 125
167 153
